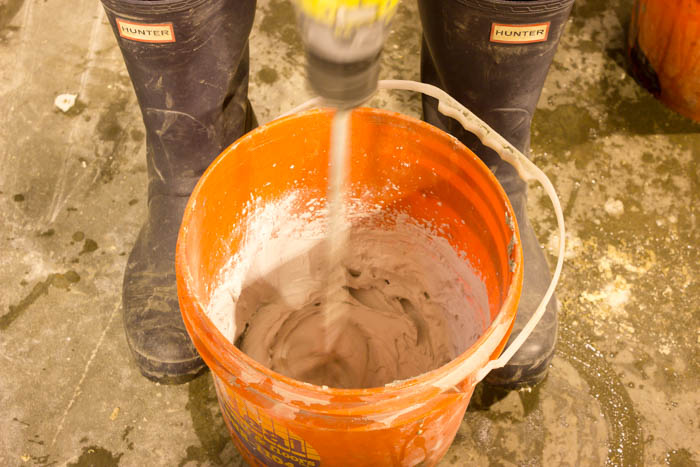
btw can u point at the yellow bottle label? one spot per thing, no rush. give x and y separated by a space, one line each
348 14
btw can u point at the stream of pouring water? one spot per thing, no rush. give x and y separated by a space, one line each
337 235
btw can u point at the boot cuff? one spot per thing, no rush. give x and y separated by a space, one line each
518 8
149 7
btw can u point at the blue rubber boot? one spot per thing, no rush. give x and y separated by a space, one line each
493 56
188 62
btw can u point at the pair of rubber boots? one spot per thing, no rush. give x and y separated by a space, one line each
188 62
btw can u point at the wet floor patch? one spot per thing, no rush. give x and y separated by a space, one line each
94 456
680 458
267 75
115 136
8 10
279 22
126 438
61 281
89 246
625 438
207 422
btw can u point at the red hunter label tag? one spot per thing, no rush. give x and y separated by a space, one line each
144 32
519 33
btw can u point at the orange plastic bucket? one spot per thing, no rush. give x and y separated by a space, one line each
664 52
278 421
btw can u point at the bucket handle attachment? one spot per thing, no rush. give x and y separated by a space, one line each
527 170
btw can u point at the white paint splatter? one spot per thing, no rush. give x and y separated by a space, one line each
65 102
614 207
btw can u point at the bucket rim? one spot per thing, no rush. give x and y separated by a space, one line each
457 376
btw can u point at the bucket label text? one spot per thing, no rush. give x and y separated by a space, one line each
264 438
140 32
519 33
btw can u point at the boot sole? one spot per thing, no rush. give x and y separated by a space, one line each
169 373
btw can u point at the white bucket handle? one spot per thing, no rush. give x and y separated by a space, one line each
528 171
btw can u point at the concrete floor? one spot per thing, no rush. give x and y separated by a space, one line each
623 387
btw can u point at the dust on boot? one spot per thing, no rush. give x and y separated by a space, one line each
493 56
188 63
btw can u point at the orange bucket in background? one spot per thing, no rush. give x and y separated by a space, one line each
664 52
278 421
